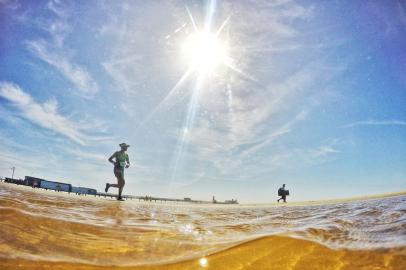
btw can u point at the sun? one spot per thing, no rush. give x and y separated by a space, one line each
204 52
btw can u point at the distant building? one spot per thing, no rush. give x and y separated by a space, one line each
45 184
32 181
55 185
58 186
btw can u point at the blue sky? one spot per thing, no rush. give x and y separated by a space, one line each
311 94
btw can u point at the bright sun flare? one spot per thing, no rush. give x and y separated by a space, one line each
204 51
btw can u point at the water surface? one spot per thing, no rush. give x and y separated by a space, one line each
45 229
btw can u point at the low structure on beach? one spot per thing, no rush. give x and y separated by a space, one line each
189 200
14 181
51 185
66 187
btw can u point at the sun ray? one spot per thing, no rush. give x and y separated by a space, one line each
205 52
229 63
209 15
188 122
230 99
222 25
166 98
191 19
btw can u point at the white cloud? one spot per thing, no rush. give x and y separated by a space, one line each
377 123
269 139
36 162
295 157
324 151
231 125
255 121
74 73
10 4
250 117
27 160
56 7
44 115
121 72
89 156
54 53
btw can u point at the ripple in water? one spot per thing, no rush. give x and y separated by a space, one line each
46 229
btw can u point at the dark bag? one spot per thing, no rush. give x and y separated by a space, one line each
283 192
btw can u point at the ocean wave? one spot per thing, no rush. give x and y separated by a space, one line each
46 226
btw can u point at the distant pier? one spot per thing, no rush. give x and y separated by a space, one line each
162 199
64 187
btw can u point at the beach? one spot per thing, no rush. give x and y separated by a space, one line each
54 230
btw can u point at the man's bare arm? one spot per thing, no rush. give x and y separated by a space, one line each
111 159
128 162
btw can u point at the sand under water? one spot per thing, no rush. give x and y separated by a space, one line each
50 230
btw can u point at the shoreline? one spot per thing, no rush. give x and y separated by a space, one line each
332 201
270 204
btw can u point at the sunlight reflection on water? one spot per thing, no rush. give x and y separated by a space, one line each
44 224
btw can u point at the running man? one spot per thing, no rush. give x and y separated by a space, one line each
120 161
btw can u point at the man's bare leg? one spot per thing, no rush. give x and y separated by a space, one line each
118 175
109 186
120 184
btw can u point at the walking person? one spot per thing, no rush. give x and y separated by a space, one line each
120 161
283 193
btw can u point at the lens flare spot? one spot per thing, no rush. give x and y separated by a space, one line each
203 262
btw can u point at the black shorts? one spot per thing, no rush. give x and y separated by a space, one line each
119 171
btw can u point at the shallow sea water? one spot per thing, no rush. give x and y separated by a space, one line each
49 230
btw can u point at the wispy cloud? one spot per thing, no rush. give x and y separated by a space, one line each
36 162
376 123
76 74
123 70
256 122
87 156
242 119
45 115
284 129
26 159
54 53
288 158
307 156
10 4
323 151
